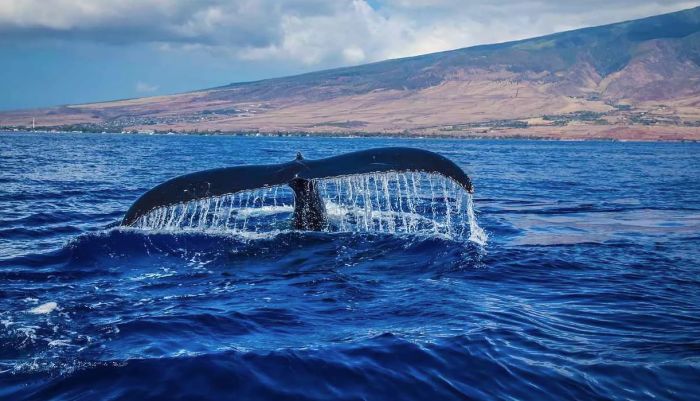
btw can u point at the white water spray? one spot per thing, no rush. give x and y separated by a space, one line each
394 203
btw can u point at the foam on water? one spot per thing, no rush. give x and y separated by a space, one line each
44 308
391 203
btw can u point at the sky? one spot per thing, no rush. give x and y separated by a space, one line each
55 52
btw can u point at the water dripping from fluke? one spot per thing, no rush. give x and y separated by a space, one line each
400 191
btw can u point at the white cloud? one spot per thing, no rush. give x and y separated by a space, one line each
310 32
143 87
354 55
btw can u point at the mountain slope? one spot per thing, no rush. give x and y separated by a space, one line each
637 79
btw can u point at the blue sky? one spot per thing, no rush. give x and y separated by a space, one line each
56 52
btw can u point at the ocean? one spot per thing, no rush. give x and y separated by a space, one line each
585 284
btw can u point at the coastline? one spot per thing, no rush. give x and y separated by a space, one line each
499 136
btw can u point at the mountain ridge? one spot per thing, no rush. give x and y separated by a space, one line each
637 79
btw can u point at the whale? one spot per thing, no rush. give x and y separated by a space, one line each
300 175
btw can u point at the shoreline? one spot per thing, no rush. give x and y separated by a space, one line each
338 135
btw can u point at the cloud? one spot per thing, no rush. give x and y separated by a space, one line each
309 32
143 87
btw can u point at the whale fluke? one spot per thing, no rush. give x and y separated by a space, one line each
299 174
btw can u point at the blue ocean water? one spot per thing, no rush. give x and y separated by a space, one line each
588 288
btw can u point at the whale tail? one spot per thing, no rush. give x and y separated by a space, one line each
301 175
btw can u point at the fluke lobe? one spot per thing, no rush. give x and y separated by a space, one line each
299 174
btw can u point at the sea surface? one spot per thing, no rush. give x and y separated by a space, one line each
588 287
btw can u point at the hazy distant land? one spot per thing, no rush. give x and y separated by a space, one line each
633 80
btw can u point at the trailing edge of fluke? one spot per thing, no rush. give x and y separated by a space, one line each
309 210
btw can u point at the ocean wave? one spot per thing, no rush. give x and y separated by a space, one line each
462 367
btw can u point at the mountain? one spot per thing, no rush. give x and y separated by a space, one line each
631 80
